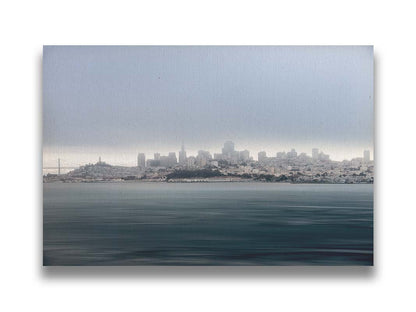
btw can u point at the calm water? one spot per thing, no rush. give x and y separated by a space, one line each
207 224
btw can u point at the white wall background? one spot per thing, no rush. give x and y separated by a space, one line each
26 25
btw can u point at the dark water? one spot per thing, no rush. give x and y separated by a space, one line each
207 224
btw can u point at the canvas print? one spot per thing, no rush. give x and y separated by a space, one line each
208 155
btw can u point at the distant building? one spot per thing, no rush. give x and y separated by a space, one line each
164 161
323 157
292 153
201 161
303 157
205 154
203 158
182 156
280 155
219 157
231 155
190 161
315 154
366 156
153 163
228 148
262 156
141 160
245 155
172 159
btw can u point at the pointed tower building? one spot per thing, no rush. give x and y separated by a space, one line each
182 155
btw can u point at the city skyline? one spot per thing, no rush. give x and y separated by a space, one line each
230 164
229 148
130 160
114 101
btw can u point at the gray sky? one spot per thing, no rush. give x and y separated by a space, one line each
117 101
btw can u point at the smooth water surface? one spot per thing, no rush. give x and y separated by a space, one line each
207 224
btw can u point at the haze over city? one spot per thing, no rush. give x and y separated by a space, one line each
208 155
115 102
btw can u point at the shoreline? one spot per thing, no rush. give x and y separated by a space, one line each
205 182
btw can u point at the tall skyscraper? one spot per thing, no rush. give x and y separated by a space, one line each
156 156
366 155
182 155
172 158
228 148
141 160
